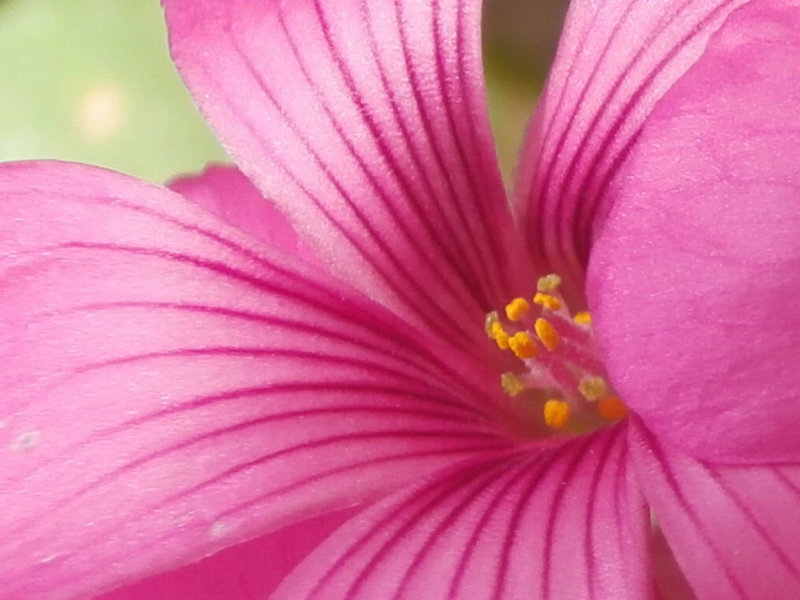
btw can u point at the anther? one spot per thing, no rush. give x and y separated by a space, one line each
548 283
494 330
548 301
612 408
500 336
582 318
511 384
556 413
516 309
592 388
489 321
567 385
522 345
546 333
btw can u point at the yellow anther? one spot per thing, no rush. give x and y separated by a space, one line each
582 318
548 283
500 336
511 384
556 414
494 329
548 301
593 388
522 345
516 309
612 408
546 333
488 323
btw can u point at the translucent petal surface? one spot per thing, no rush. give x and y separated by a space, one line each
695 278
733 529
170 388
616 59
549 523
670 581
366 122
227 193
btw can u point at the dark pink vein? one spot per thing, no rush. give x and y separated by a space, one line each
456 263
661 459
469 486
507 470
440 323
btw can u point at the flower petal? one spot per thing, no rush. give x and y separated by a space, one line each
248 571
615 60
171 388
227 193
670 581
367 123
550 523
696 275
733 529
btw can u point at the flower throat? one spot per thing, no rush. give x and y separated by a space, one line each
561 376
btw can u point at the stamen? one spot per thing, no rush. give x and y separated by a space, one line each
593 388
546 333
522 345
500 336
511 384
516 309
548 283
612 408
556 413
583 318
570 375
548 301
494 329
489 321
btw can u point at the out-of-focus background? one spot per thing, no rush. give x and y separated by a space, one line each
91 81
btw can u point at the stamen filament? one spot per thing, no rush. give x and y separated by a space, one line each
569 376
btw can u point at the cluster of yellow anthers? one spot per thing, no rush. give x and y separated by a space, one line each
576 397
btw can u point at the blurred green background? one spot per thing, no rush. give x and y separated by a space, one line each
91 81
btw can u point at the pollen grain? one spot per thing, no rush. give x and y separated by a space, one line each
511 384
582 318
556 413
546 333
549 302
548 283
522 345
612 408
592 388
517 308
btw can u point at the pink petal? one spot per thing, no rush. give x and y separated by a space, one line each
171 388
366 122
248 571
548 523
733 529
696 275
227 193
670 581
615 60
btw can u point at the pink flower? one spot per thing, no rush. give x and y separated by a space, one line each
182 376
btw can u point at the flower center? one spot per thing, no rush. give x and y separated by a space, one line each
561 377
